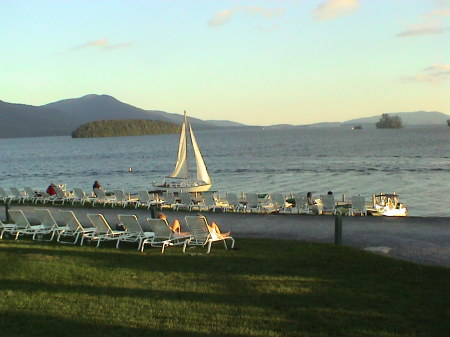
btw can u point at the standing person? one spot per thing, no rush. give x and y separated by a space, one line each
312 203
96 185
51 189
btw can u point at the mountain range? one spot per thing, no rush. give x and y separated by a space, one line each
62 117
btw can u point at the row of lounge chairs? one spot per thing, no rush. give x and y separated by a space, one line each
100 230
207 201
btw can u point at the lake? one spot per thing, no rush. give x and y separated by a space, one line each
413 162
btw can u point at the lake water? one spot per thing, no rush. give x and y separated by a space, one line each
414 162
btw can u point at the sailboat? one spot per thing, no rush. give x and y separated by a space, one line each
180 180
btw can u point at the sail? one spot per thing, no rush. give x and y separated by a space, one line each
181 167
202 173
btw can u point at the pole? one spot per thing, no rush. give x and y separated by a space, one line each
338 230
153 211
7 219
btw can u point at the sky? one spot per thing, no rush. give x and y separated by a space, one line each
255 62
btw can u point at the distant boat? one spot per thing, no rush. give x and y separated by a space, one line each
357 127
180 179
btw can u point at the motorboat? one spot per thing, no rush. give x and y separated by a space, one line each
181 180
388 205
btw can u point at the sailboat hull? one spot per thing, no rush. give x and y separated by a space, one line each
181 187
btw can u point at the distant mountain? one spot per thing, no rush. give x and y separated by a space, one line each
62 117
225 123
408 118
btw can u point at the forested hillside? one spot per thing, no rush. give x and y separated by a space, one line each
124 127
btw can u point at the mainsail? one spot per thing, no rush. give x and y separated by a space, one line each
181 167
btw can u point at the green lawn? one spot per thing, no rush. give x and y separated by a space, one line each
263 288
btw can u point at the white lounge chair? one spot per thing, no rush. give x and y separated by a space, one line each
301 204
102 198
202 235
103 230
5 197
74 228
358 206
143 200
234 203
60 196
79 196
134 231
23 225
48 223
328 204
211 203
16 195
121 199
164 236
9 228
185 202
280 204
168 200
30 195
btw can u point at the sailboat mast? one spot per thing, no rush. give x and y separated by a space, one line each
186 142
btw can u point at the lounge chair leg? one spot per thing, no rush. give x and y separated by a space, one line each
209 247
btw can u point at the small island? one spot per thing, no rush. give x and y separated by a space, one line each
124 127
448 122
389 122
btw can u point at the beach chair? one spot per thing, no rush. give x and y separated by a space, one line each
164 236
185 202
60 196
201 235
30 195
134 231
121 199
144 199
48 223
102 198
211 203
234 203
5 197
16 195
9 228
168 200
358 206
23 225
301 204
74 228
79 196
103 231
280 204
328 204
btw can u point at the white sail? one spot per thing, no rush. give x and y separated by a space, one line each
181 167
202 173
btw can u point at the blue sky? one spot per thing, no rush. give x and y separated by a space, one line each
256 62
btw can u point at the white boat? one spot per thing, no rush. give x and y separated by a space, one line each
180 180
388 205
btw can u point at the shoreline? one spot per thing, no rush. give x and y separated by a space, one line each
423 240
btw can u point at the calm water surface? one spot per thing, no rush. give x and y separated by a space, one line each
414 162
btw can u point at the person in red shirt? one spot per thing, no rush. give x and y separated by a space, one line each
51 189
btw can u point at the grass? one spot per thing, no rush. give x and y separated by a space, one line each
264 288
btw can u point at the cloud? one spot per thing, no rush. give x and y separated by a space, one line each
101 44
92 44
331 9
223 17
427 29
434 74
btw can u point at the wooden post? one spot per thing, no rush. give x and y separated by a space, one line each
338 230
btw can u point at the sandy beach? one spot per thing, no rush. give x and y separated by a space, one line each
424 240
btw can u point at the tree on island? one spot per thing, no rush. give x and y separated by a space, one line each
448 122
389 122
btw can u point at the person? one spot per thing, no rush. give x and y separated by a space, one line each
96 185
51 189
176 226
310 199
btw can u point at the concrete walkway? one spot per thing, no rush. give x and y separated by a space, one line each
417 239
